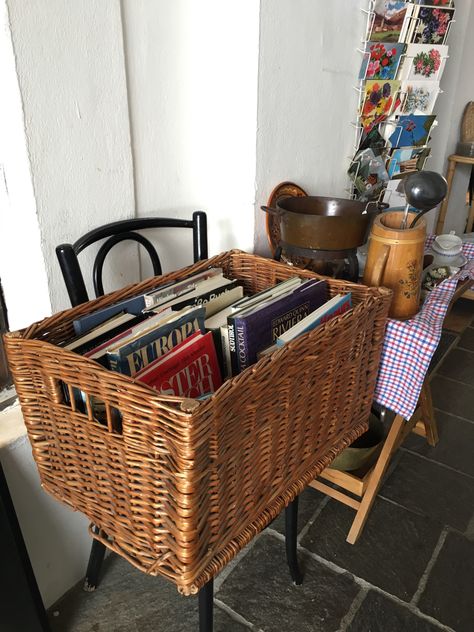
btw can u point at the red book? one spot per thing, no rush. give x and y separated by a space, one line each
189 370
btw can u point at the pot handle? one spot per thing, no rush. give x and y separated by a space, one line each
380 206
376 274
272 211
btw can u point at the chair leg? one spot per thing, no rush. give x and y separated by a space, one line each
291 532
206 605
93 568
375 480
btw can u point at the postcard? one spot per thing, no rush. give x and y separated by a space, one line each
404 161
368 173
423 61
411 131
430 25
418 97
381 60
380 98
389 18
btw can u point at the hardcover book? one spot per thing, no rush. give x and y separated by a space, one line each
186 287
85 323
189 370
251 331
336 306
134 354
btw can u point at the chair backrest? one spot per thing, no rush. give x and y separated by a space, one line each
117 232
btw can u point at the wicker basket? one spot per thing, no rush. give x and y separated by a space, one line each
185 485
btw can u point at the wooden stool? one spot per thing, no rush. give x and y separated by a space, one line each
366 486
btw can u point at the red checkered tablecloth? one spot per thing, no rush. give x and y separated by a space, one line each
409 345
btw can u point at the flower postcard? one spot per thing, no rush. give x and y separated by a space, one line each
418 97
404 161
388 23
380 98
381 60
411 131
430 25
423 61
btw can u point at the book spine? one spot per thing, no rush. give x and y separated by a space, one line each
234 367
225 347
115 363
239 353
241 345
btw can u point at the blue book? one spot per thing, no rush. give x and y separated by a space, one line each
252 330
134 354
85 323
334 307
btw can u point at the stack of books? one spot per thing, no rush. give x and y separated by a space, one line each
185 338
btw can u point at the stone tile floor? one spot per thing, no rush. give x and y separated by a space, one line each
412 569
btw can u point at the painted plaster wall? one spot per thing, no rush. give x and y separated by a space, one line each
192 71
71 72
22 267
308 66
458 86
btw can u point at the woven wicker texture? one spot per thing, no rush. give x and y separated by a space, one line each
182 486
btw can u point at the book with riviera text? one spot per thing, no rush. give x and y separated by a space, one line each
251 331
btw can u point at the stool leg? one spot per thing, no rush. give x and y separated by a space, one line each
375 479
95 563
291 532
206 604
427 415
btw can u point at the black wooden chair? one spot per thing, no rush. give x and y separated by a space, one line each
116 232
68 260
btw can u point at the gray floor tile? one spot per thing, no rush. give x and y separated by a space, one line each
448 595
459 365
467 339
447 339
432 489
453 397
261 590
455 446
309 501
130 601
392 535
378 613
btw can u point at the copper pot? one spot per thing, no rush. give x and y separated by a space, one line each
324 223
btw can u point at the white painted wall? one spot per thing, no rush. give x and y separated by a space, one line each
307 70
457 83
71 72
22 267
192 71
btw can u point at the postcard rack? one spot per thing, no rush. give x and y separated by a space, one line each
184 485
379 159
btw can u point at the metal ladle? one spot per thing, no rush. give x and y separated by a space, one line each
424 190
